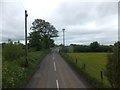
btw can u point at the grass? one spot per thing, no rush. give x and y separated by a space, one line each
14 73
95 63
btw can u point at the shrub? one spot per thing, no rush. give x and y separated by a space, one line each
113 67
12 51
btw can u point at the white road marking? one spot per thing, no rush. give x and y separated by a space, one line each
57 84
54 66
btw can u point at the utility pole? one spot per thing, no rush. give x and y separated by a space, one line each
26 46
63 37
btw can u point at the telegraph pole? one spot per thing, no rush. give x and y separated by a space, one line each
26 46
63 37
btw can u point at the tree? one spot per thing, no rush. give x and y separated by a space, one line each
95 46
34 40
42 34
113 67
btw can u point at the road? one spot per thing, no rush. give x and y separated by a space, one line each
54 72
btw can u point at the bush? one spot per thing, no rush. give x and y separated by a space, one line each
16 76
12 51
113 67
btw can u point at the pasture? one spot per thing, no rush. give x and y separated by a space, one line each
94 63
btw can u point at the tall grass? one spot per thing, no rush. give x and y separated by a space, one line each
15 75
12 51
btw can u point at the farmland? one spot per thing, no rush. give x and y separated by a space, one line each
94 64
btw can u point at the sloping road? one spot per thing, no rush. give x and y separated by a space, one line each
54 72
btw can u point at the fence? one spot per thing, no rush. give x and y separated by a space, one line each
84 68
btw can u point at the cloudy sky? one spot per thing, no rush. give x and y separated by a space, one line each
84 21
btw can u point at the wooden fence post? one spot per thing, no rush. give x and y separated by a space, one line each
101 72
101 75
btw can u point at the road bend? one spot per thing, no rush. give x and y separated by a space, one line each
54 72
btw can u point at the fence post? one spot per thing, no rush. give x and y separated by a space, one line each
101 75
101 72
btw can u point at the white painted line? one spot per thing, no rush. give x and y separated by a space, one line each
54 66
57 84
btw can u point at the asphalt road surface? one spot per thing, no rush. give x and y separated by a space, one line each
54 72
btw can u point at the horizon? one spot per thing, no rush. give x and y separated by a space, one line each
23 42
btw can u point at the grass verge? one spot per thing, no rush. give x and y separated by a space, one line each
15 75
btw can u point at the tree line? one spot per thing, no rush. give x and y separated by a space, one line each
93 47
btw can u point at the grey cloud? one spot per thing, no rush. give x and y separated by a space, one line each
72 14
87 39
12 21
119 20
69 15
84 31
107 8
81 13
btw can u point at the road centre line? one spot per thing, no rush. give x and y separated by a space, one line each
57 84
54 66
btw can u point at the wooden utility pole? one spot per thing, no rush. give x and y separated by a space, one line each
26 46
63 37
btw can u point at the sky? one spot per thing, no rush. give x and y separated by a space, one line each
84 21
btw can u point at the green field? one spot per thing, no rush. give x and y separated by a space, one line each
94 62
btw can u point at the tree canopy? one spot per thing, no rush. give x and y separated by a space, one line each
92 47
42 34
95 46
44 28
